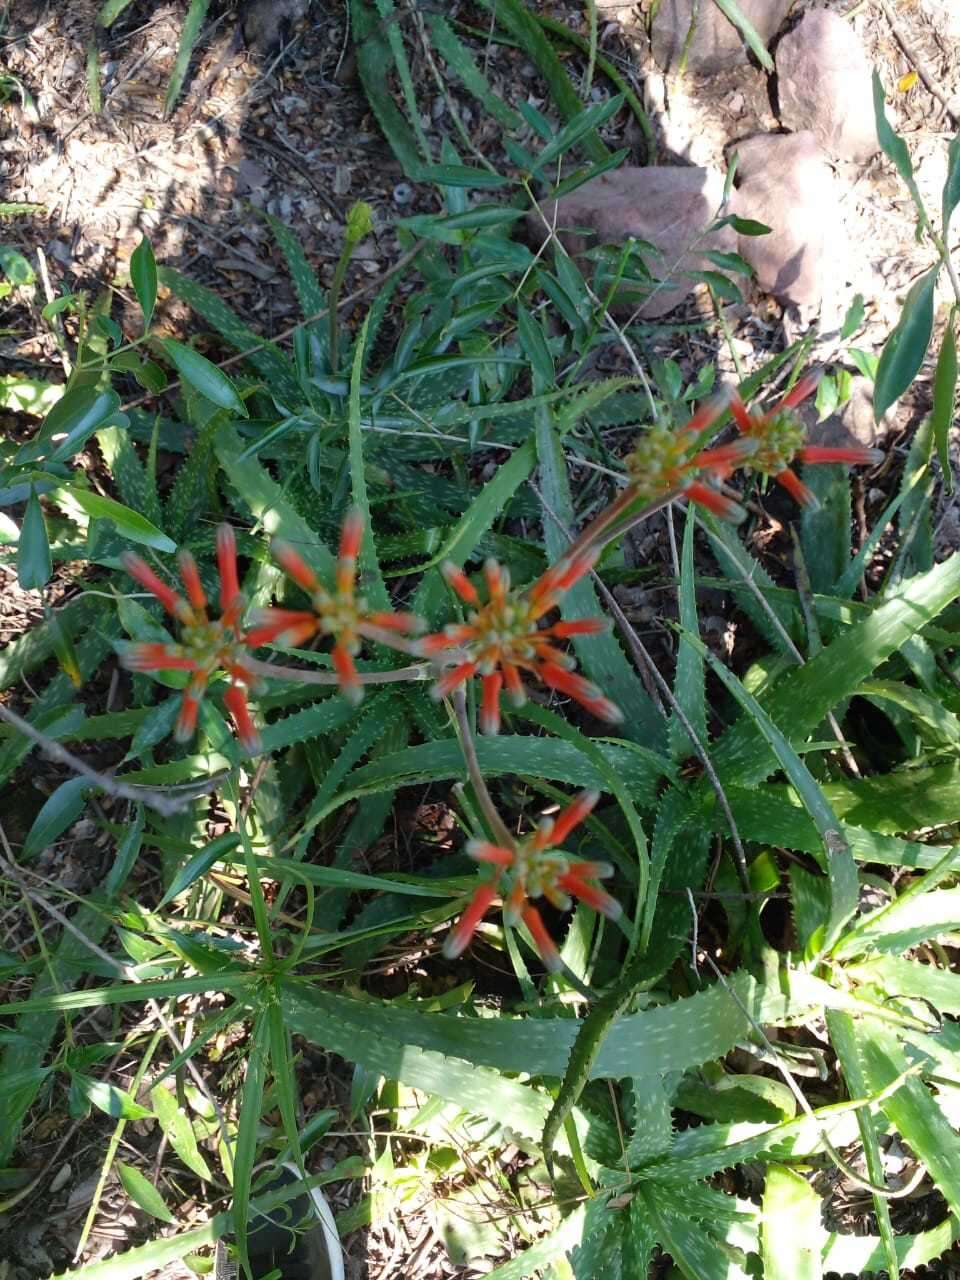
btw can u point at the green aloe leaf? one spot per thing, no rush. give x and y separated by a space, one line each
912 1108
792 1233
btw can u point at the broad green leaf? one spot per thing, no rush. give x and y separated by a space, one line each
864 1255
945 394
75 417
130 524
175 1123
906 347
60 810
109 1099
34 564
143 277
204 376
110 11
143 1193
792 1233
15 266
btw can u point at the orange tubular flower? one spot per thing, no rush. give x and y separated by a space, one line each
779 436
662 463
205 647
339 613
531 868
503 637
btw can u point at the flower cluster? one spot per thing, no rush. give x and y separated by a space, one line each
778 436
503 636
339 613
535 867
205 646
667 462
664 461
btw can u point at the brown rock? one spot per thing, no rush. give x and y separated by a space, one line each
825 84
668 207
717 45
787 184
853 423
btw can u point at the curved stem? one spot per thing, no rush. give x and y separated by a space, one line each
304 675
498 827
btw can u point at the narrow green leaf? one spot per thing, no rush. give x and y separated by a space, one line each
189 34
143 277
835 855
945 395
131 524
110 11
893 145
175 1123
143 1193
216 851
583 123
730 9
109 1099
60 810
951 188
905 348
204 376
245 1151
34 564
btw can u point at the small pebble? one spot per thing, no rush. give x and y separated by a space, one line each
402 193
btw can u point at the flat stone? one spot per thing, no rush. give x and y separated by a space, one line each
853 423
717 45
787 184
669 207
825 84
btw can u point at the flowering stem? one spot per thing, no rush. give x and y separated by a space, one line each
302 675
498 828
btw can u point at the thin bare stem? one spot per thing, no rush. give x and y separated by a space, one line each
497 825
153 799
644 661
305 675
